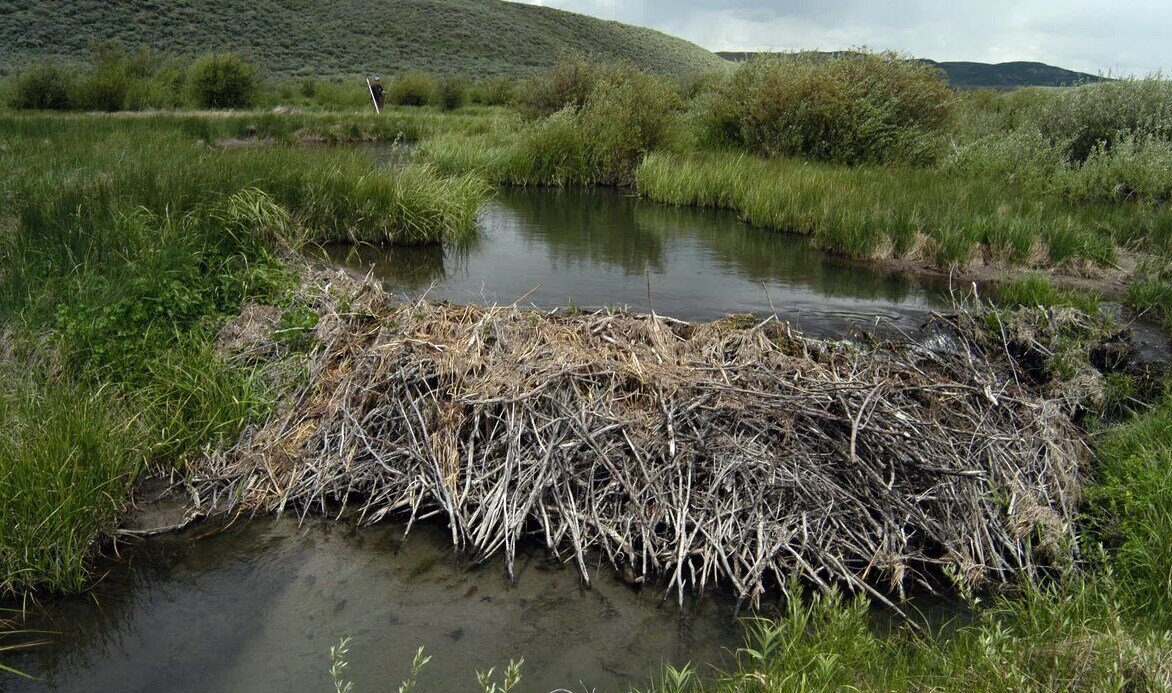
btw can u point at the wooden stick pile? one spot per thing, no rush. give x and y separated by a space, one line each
731 452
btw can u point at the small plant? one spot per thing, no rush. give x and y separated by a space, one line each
338 666
224 80
510 680
417 665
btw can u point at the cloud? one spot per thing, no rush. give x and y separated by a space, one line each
1124 37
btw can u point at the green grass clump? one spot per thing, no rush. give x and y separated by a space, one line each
854 109
600 142
126 245
1036 290
67 459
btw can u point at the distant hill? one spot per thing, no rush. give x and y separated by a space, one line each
343 37
968 75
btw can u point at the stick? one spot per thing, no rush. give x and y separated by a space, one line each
373 100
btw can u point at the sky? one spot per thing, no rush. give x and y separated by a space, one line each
1121 37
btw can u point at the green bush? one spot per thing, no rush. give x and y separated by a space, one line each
569 84
45 86
224 80
107 86
858 109
498 91
411 89
1099 115
625 117
451 93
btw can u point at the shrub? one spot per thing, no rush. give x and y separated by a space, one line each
107 87
1133 168
855 109
224 80
451 93
569 84
411 89
498 91
626 116
1104 113
42 86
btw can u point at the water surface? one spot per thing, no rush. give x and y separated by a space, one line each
257 607
605 248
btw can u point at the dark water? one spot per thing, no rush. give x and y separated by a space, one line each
257 607
603 248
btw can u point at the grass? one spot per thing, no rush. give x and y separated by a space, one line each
477 38
1034 290
127 244
865 212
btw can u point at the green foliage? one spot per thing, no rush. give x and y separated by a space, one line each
474 38
451 93
865 212
412 89
855 109
568 85
44 86
224 80
1034 290
1100 115
602 141
67 459
497 91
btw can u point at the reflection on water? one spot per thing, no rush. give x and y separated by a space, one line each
603 247
257 607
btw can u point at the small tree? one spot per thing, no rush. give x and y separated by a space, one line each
224 80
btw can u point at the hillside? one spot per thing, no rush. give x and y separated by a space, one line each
343 37
971 75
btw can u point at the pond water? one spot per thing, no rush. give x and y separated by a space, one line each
605 248
257 607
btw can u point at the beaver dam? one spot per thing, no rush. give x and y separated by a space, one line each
736 452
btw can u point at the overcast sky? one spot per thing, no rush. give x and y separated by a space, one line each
1123 37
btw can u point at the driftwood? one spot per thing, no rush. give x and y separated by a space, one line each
735 452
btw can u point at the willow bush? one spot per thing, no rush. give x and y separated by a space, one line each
865 108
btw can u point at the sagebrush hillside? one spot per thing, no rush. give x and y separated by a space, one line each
343 37
972 75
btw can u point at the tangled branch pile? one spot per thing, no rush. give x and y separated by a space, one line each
733 451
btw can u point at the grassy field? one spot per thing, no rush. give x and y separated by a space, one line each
478 38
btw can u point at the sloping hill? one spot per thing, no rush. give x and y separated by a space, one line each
343 37
970 75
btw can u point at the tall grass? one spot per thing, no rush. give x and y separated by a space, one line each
67 459
865 212
626 114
